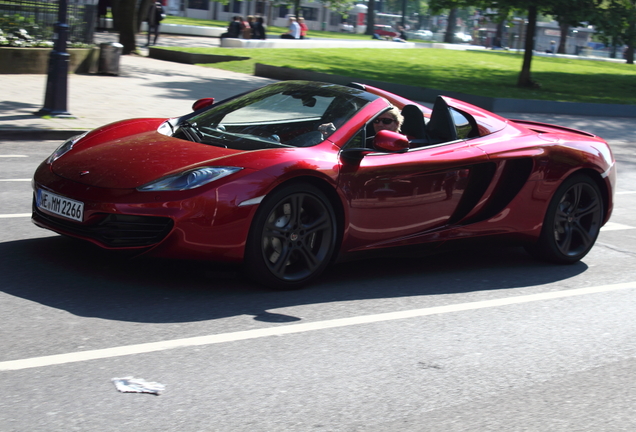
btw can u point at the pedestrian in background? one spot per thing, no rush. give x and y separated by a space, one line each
294 30
247 27
234 28
252 22
402 33
154 17
258 30
303 27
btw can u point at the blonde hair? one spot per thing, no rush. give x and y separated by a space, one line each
397 115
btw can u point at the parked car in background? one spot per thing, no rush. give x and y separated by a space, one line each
347 28
421 34
385 31
463 38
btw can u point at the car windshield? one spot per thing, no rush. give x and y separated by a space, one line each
288 114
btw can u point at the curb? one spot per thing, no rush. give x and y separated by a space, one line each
422 94
38 134
189 58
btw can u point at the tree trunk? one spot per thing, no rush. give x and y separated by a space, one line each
631 35
370 18
125 15
297 10
498 40
565 29
449 37
525 79
114 10
502 17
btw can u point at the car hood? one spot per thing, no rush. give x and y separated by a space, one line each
135 160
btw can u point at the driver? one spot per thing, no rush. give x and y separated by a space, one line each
390 120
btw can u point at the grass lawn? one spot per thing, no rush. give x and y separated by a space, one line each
484 73
474 72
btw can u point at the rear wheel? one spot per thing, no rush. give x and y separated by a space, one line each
572 222
292 237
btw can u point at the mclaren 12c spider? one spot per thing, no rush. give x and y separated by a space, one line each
258 179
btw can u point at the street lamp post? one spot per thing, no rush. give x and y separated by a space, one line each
57 78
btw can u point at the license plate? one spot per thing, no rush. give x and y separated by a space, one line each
64 207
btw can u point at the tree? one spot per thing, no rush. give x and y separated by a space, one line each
616 22
525 76
422 14
453 6
127 18
338 6
500 18
449 36
608 21
571 14
296 5
341 7
417 8
370 18
533 7
630 34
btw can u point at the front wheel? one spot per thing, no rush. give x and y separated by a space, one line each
292 237
572 222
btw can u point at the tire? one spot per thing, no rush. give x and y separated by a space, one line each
292 238
572 222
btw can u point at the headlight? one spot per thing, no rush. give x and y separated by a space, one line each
189 179
64 148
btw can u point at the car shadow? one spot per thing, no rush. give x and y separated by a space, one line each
86 281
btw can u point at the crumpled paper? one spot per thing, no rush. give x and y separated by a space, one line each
137 385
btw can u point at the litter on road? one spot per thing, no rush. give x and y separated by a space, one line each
137 385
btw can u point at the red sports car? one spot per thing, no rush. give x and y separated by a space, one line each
293 176
385 31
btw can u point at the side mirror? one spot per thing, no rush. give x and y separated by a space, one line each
202 103
391 142
354 155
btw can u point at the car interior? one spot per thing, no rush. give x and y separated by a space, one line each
446 124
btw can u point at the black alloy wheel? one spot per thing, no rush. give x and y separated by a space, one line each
572 222
292 238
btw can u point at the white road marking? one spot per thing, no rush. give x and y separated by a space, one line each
15 180
613 226
15 215
625 192
297 328
12 156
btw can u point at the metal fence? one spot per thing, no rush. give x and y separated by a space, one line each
37 19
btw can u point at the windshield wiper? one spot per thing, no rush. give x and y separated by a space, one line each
190 131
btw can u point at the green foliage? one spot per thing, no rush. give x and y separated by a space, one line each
413 6
19 31
484 73
614 20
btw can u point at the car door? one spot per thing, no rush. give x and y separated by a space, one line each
393 196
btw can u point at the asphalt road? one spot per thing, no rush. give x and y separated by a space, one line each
476 340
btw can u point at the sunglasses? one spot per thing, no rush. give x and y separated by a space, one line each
386 121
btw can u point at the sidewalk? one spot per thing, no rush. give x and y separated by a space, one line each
145 88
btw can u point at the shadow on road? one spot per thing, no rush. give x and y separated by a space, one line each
79 278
